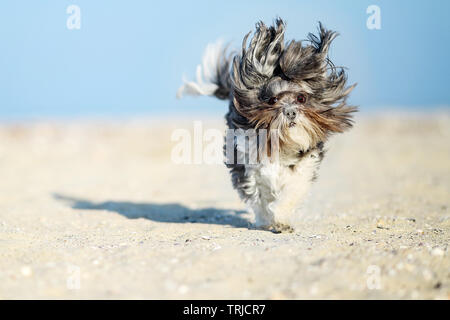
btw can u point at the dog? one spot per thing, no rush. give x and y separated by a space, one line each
288 89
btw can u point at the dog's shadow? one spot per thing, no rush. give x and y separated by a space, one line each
169 212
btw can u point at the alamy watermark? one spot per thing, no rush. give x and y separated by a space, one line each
374 20
238 146
73 21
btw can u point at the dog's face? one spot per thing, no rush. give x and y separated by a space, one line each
291 88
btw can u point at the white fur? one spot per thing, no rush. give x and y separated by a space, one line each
281 190
280 185
299 134
205 73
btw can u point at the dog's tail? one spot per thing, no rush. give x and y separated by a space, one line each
213 75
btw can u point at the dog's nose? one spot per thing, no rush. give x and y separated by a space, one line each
290 112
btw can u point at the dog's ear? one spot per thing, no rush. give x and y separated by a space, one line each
308 63
323 41
259 59
257 63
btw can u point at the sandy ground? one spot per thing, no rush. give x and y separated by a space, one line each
98 210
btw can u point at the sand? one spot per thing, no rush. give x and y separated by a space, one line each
97 209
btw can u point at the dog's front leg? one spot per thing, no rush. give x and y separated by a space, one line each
295 186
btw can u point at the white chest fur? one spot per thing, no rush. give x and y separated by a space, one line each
281 188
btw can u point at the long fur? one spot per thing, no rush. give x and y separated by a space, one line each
266 68
213 75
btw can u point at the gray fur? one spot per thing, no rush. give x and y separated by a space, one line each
223 76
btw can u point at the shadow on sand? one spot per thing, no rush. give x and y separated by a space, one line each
170 212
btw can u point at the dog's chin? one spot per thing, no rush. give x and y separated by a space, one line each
291 124
298 134
294 135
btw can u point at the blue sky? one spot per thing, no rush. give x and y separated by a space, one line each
128 58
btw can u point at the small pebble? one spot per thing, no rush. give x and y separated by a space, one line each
313 290
437 252
26 271
382 224
438 285
427 274
183 289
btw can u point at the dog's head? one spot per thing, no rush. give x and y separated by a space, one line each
292 88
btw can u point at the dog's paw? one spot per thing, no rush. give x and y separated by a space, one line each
279 228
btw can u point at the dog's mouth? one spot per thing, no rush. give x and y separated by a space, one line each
292 124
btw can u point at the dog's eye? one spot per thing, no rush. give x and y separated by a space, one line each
301 98
273 100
